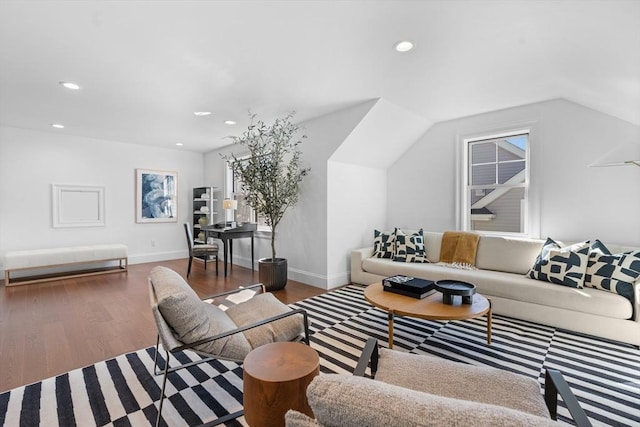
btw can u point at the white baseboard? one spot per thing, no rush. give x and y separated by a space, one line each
308 278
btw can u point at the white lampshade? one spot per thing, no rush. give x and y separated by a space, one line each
622 155
230 204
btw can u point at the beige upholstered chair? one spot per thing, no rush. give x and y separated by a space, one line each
204 252
185 322
418 390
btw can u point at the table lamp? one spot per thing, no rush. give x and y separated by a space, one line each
230 205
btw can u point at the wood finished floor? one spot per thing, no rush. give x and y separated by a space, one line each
50 328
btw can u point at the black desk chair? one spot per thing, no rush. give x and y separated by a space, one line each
204 252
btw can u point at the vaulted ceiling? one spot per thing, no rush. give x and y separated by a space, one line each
145 67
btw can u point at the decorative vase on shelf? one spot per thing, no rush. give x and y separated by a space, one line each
201 236
203 221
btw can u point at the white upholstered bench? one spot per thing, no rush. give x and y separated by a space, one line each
39 259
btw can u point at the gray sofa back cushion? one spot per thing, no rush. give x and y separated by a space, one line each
461 381
350 401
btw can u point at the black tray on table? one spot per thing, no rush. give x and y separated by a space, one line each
451 288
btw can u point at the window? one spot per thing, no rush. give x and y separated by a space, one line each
496 183
244 212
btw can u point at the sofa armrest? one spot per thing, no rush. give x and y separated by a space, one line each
357 256
554 384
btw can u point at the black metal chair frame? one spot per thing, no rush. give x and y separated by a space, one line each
209 357
554 384
204 258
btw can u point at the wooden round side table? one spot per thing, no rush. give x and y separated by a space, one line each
276 377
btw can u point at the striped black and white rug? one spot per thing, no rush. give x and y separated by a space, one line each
123 391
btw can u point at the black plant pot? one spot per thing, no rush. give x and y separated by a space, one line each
273 273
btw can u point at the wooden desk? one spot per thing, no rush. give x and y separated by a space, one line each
227 235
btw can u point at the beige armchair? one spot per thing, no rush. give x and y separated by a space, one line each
417 390
185 322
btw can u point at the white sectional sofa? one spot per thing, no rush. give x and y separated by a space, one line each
502 263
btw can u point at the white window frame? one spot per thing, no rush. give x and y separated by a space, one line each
229 183
531 211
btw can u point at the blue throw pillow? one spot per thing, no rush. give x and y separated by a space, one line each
561 265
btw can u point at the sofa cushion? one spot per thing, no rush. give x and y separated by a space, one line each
512 255
192 319
460 381
352 401
612 272
561 265
383 244
409 247
432 243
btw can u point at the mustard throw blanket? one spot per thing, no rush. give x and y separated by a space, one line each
459 247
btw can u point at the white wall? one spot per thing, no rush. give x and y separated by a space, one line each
30 161
302 233
356 206
576 202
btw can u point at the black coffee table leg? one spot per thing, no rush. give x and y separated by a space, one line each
447 299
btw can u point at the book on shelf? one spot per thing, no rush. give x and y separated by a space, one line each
409 286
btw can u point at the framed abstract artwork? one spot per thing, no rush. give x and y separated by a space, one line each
156 196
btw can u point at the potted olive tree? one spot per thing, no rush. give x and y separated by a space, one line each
270 177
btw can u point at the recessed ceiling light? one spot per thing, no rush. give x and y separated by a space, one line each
57 126
70 85
202 113
229 122
403 46
179 144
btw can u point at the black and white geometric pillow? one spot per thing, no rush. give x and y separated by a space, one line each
383 244
410 248
612 272
563 266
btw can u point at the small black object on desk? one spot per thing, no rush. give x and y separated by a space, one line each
451 288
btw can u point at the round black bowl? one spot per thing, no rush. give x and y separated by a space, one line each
451 288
